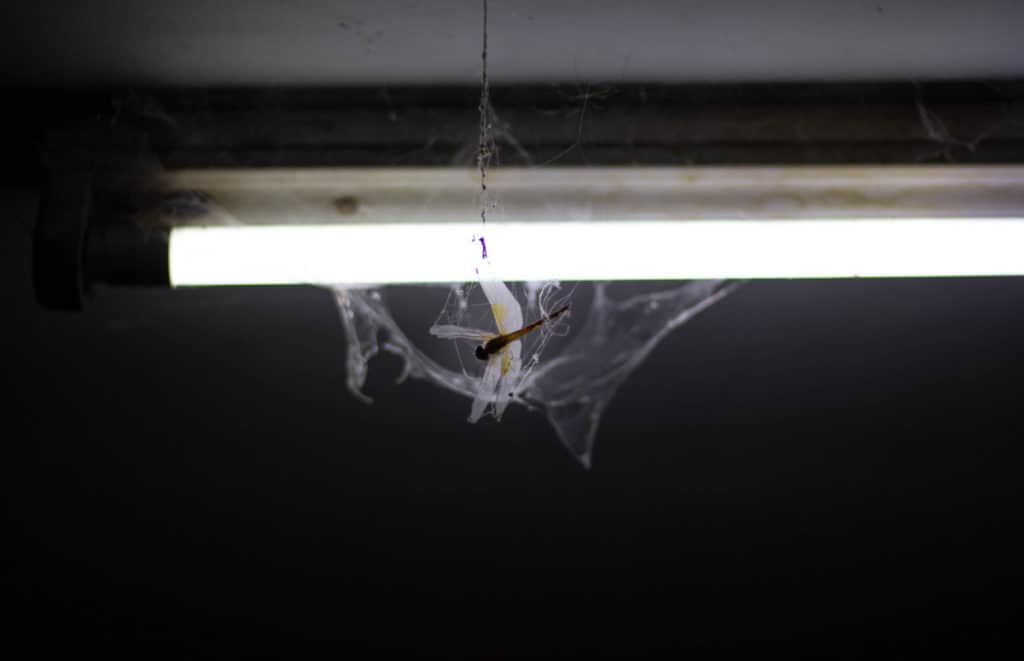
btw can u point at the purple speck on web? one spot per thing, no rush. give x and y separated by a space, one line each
483 244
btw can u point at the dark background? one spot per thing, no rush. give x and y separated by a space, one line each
830 464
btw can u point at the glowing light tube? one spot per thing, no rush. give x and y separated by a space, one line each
364 226
608 250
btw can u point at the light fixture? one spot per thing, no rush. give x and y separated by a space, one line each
366 226
419 225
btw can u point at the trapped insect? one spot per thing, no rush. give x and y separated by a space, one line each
492 346
502 350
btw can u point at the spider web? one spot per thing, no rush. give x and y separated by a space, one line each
597 352
574 387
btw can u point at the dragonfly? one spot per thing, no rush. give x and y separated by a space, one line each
501 351
495 344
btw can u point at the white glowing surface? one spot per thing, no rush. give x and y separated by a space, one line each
382 253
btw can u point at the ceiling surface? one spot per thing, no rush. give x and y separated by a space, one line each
317 42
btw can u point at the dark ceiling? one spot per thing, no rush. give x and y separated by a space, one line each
319 42
829 464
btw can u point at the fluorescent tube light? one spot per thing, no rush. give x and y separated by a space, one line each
609 250
364 226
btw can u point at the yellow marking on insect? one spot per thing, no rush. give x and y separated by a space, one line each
498 310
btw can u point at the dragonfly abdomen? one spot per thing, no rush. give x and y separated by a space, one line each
496 344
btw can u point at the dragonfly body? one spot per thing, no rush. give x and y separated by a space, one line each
501 352
499 342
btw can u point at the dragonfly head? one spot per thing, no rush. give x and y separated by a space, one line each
481 353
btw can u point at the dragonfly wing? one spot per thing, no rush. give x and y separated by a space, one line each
511 367
508 314
486 389
452 332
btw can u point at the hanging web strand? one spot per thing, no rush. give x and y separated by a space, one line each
503 367
483 156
